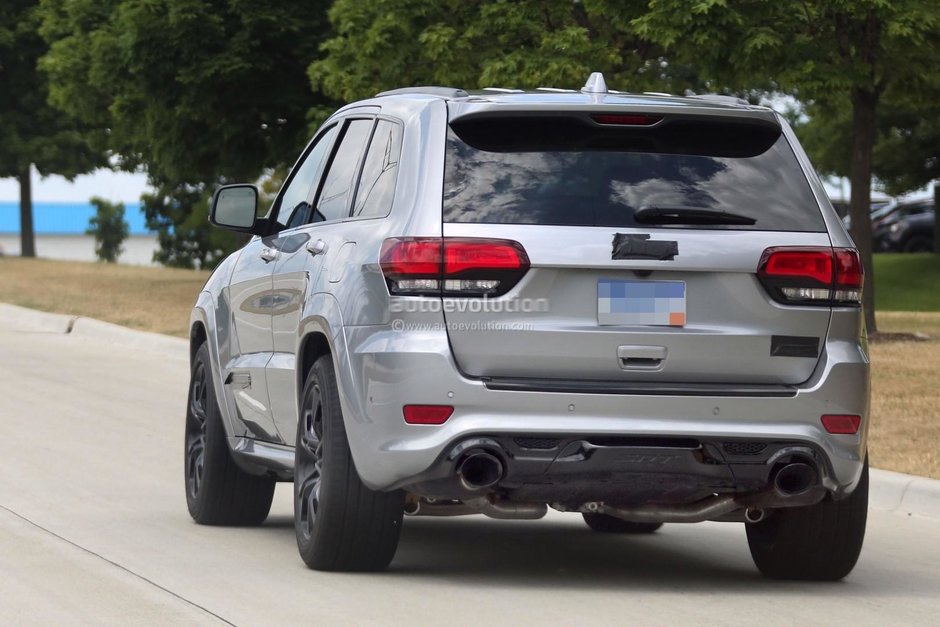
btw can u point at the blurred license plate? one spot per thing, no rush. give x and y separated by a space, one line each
659 303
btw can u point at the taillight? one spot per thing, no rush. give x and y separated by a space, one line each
812 276
452 266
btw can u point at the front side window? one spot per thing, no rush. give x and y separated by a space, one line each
294 206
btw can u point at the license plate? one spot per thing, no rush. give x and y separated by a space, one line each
655 303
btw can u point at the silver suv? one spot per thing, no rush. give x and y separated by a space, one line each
639 308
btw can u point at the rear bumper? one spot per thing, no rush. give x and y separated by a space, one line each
388 369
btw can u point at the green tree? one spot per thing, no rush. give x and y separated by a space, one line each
33 134
198 92
856 53
393 43
109 228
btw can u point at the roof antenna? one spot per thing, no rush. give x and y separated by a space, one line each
595 84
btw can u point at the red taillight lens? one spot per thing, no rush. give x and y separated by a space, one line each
849 271
815 265
411 257
462 255
812 276
841 424
435 266
427 414
625 119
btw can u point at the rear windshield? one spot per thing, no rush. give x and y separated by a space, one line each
570 171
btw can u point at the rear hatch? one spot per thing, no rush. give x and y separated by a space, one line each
644 234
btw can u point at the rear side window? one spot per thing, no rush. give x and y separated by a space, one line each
380 172
570 171
333 203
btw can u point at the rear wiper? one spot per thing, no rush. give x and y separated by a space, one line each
649 214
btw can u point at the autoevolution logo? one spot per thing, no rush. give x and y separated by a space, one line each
469 305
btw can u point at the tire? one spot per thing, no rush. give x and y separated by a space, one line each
611 524
918 244
217 491
820 542
341 525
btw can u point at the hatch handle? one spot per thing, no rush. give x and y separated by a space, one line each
641 357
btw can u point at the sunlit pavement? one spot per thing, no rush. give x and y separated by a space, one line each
94 530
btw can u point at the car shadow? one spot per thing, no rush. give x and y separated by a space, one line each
557 554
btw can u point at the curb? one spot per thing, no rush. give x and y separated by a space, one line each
890 491
904 494
30 320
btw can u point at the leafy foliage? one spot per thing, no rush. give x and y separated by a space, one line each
31 131
393 43
109 228
199 92
180 216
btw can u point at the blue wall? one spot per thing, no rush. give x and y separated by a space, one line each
64 218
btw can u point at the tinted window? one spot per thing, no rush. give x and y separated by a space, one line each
333 202
567 171
379 172
294 208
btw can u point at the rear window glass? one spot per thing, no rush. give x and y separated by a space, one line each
570 171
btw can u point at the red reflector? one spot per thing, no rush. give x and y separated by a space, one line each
427 414
848 268
411 257
625 120
844 424
814 264
481 254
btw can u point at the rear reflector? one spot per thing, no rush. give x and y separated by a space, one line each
812 276
427 414
841 424
452 266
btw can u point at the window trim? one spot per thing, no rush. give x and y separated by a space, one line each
275 209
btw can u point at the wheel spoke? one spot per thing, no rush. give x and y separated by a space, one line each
195 462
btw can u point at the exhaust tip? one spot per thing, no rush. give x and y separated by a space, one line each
795 479
480 470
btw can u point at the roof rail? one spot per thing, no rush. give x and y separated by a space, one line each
440 92
721 99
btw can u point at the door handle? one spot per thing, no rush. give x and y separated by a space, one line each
268 254
317 248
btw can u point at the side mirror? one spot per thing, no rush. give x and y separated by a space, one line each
235 207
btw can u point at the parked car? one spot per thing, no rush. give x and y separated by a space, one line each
909 228
638 308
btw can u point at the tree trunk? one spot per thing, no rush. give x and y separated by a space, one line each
936 223
864 106
27 237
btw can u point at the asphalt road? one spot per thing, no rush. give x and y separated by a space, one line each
94 530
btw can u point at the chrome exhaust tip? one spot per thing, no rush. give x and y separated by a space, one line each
479 470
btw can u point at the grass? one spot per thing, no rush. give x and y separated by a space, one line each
905 396
151 299
905 417
906 282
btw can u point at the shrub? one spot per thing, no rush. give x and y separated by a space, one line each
109 228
